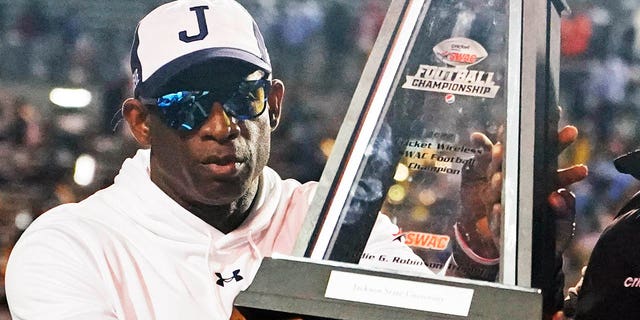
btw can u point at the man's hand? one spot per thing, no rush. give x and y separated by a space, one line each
479 221
478 226
562 202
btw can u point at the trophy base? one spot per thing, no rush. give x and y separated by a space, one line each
300 288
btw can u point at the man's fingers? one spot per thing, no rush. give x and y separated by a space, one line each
495 188
481 140
573 174
478 170
497 153
567 136
557 202
495 222
558 316
562 203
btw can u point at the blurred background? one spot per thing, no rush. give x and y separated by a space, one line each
64 73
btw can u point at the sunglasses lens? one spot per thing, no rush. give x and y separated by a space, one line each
188 110
249 101
184 110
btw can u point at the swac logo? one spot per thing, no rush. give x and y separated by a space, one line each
426 240
460 52
221 280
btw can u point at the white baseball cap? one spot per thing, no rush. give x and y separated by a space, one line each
184 33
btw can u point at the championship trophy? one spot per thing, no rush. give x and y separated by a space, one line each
446 85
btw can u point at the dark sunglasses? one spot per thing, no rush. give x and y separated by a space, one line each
188 110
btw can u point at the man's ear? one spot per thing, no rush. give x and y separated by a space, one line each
137 115
276 94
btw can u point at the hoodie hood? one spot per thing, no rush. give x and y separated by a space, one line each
147 205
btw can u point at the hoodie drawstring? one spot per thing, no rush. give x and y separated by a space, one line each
254 248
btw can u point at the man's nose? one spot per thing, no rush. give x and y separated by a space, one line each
219 125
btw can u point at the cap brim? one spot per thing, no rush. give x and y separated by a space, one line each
152 86
629 164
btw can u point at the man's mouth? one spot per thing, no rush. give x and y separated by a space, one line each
226 166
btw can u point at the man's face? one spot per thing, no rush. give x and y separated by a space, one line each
215 164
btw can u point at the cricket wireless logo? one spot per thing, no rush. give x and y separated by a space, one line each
631 282
459 53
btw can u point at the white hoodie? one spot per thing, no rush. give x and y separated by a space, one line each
131 252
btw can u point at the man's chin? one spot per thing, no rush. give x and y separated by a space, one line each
225 192
219 198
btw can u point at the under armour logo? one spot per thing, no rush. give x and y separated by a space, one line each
236 276
203 30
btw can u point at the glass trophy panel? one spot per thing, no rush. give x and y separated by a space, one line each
421 167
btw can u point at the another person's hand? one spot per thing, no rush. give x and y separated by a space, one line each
571 300
236 315
256 314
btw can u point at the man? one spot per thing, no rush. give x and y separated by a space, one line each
185 225
187 221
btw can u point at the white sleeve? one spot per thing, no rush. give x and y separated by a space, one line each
50 276
386 250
